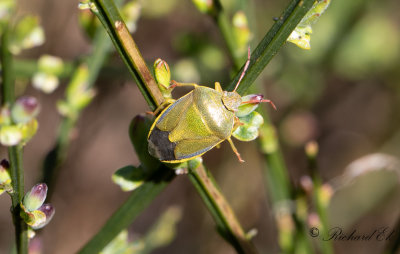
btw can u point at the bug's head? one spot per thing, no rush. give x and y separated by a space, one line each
231 100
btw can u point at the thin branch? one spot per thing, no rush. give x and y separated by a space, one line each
123 217
271 43
126 47
227 223
14 152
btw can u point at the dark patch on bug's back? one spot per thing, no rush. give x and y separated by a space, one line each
160 146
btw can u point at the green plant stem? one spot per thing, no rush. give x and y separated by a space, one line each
126 47
277 175
226 221
321 206
17 177
275 170
14 152
7 72
225 27
123 217
271 43
26 68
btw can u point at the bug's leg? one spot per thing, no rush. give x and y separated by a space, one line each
161 107
235 150
237 123
175 84
218 87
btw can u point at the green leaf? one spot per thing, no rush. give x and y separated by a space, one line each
247 108
129 177
249 130
138 130
120 245
301 35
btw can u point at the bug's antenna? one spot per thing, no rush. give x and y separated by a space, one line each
244 69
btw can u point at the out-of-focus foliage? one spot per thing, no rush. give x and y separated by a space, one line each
162 233
372 47
78 94
49 68
364 184
27 34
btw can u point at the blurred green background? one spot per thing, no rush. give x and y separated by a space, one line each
344 93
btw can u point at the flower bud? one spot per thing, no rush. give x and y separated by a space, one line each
325 194
49 211
35 197
5 179
28 130
10 135
313 220
311 149
306 184
50 64
5 118
163 77
41 217
204 6
25 109
27 33
4 164
36 219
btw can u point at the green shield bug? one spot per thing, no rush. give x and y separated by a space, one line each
197 122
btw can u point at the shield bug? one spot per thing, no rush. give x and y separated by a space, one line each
197 122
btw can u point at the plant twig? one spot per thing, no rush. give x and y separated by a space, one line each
275 171
14 152
126 47
123 217
320 204
271 43
227 223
